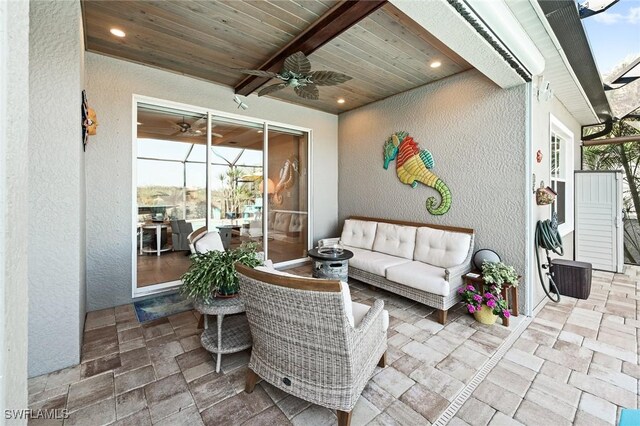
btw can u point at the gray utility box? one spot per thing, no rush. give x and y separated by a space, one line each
573 278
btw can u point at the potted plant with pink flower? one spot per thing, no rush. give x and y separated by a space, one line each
486 306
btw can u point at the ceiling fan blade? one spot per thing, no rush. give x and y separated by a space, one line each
270 89
297 63
199 121
259 73
328 78
310 91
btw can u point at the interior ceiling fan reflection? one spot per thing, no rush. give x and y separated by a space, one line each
197 128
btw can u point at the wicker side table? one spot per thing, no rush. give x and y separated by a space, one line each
235 336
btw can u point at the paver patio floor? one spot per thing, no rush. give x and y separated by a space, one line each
577 361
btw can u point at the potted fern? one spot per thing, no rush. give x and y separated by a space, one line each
213 274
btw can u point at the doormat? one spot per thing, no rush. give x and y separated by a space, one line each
161 306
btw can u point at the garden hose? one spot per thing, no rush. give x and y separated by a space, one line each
548 238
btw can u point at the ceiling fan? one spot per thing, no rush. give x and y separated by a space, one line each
296 72
197 128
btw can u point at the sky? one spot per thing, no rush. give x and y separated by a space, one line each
614 35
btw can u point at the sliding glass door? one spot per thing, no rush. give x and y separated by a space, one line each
246 179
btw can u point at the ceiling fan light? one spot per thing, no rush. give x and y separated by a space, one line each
117 32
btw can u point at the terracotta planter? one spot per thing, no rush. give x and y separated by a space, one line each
485 315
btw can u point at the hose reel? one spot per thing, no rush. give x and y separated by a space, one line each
548 238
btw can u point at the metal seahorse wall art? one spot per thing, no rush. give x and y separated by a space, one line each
414 165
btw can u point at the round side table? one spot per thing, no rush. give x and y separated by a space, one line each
331 266
234 337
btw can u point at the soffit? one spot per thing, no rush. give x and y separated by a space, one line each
386 53
557 70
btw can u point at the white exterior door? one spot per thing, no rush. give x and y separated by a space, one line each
598 221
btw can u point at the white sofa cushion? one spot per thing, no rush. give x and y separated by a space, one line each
420 276
374 262
281 221
344 289
396 240
441 248
358 233
210 241
360 310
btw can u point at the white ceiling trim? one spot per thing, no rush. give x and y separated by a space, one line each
445 23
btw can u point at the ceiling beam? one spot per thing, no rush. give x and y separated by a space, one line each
334 22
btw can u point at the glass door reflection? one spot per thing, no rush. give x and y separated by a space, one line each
287 181
171 190
236 160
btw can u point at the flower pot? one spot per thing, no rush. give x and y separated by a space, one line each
485 315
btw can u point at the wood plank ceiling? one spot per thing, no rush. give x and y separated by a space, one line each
385 53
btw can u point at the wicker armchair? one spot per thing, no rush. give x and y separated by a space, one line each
304 342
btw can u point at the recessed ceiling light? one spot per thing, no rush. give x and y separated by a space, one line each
117 32
341 100
435 64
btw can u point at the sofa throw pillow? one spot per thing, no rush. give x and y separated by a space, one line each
358 233
396 240
441 248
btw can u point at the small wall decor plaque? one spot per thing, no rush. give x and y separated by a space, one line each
89 121
413 165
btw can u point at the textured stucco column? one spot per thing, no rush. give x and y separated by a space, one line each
56 187
14 108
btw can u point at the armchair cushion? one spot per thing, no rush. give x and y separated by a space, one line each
360 310
210 241
420 276
396 240
441 248
358 233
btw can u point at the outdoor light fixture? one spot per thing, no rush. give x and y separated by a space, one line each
435 64
240 103
341 100
117 32
139 123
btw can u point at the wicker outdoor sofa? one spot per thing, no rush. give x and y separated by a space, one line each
419 261
309 339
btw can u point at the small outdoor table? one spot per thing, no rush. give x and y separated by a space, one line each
475 279
331 266
235 336
158 226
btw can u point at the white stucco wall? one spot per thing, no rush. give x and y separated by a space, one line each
476 133
541 111
56 187
14 107
111 84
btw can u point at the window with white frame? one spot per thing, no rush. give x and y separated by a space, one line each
561 168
